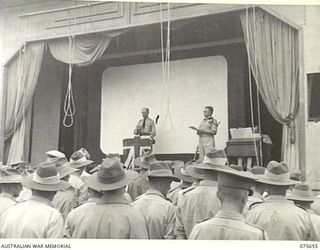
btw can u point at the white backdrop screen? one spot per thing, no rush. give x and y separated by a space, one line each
193 84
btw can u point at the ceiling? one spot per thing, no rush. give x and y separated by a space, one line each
187 31
17 3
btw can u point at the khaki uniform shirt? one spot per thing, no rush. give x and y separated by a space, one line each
138 187
227 225
35 218
111 219
315 206
159 213
195 205
206 141
315 222
6 201
24 195
65 201
174 194
82 194
149 128
281 219
252 201
210 125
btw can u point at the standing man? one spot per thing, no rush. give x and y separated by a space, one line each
53 155
145 126
10 188
200 202
37 217
280 218
111 217
155 207
229 223
303 197
257 188
207 130
79 161
141 184
65 200
186 181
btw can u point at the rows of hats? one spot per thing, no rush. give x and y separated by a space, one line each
111 174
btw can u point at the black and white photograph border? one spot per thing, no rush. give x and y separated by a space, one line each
94 87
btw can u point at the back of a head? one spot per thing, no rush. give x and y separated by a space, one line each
49 195
210 108
276 190
94 193
232 196
160 184
119 192
11 188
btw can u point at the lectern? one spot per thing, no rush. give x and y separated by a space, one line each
134 147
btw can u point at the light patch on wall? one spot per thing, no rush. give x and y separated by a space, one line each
194 84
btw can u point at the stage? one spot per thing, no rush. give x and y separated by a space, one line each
208 66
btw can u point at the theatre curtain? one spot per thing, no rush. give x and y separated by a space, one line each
81 50
272 47
21 77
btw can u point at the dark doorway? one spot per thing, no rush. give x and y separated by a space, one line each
269 126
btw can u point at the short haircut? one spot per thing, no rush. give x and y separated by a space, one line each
145 109
154 179
210 108
228 193
276 190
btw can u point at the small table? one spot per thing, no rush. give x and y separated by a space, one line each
244 150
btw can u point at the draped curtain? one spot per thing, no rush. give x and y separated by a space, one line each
272 47
81 50
22 76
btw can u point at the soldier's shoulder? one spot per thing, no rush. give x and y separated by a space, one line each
150 120
205 220
15 202
301 207
255 227
187 190
138 198
173 190
167 200
255 204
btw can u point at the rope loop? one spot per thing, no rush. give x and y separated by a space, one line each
69 107
165 62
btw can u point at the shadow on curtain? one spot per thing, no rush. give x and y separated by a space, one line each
272 48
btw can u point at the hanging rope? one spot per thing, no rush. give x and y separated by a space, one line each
250 84
165 61
22 50
257 93
21 139
69 106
